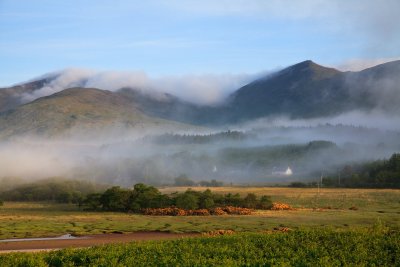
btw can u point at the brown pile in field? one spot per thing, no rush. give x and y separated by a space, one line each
282 229
201 212
218 211
219 232
281 206
237 210
173 211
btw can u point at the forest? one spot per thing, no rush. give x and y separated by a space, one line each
374 174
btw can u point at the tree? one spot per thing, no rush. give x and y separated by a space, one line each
231 200
183 180
187 201
115 199
264 203
92 201
206 200
144 196
250 201
394 163
64 197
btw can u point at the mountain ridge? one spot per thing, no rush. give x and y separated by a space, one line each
303 90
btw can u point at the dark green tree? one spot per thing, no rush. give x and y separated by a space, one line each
188 200
92 201
207 200
264 203
183 180
250 201
115 199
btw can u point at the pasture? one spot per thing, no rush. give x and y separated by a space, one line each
343 209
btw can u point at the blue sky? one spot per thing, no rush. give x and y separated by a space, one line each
164 38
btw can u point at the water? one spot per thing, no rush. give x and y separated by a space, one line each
63 237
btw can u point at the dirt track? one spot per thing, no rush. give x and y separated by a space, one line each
87 241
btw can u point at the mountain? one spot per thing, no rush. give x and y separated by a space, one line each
76 109
304 90
11 97
308 90
170 107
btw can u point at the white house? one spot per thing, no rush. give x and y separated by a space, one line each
287 172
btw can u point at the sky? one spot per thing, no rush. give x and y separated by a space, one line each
208 37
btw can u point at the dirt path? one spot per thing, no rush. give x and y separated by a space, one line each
87 241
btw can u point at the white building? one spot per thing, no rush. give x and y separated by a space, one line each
287 172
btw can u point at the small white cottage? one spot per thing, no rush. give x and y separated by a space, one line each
288 172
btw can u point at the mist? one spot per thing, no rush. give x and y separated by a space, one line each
242 153
247 153
204 89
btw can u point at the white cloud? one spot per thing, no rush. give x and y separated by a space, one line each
374 22
374 119
361 64
199 89
64 79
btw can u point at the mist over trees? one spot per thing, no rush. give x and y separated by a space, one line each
374 174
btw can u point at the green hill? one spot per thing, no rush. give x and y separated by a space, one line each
76 109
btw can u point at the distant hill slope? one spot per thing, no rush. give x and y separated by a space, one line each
10 97
167 106
75 108
308 90
304 90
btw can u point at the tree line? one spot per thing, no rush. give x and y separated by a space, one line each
53 189
143 196
183 180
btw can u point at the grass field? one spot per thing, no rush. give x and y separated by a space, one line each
366 199
373 206
298 248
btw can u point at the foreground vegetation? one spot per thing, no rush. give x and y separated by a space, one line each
300 248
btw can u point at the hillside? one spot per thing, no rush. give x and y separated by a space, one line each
75 109
170 107
10 97
308 90
304 90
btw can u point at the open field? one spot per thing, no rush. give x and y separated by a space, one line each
19 220
366 199
87 241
